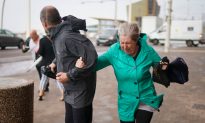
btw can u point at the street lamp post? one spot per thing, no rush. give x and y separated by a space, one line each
130 12
2 14
115 18
167 40
29 19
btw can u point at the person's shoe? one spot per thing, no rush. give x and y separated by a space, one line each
40 98
41 94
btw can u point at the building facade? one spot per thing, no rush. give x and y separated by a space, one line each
141 8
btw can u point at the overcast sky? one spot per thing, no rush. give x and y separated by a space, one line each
15 12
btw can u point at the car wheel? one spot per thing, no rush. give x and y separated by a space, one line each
20 45
189 43
3 47
155 41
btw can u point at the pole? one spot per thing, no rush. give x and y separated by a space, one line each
167 41
2 14
29 19
130 12
115 16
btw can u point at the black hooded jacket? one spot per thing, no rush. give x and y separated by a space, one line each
69 45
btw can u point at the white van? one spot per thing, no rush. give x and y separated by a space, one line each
190 32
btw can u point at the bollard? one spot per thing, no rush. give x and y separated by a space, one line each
16 100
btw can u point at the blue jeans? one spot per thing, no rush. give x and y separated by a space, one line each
44 83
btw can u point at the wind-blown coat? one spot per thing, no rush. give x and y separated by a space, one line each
135 83
69 45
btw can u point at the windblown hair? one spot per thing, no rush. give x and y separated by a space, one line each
129 29
50 15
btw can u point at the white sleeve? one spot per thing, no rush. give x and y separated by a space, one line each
32 45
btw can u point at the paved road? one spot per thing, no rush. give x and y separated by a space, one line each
182 103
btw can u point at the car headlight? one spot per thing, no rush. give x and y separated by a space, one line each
200 35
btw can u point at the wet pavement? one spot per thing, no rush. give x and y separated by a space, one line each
182 103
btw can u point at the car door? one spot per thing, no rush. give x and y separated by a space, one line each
2 38
10 39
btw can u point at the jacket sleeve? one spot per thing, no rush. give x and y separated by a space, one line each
155 58
103 61
41 48
85 50
54 61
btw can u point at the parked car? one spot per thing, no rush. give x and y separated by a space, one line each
107 37
8 38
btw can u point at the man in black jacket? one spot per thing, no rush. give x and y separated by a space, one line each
69 45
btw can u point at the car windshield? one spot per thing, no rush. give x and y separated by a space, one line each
6 33
108 32
9 33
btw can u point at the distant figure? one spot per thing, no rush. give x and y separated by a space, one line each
41 46
45 50
31 44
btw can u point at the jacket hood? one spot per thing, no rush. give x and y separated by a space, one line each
75 24
70 23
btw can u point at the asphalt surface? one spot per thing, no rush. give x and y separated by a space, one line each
182 103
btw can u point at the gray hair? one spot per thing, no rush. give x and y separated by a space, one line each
50 15
129 29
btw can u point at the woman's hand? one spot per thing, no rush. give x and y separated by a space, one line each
164 63
52 66
79 63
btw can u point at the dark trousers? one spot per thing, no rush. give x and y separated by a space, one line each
80 115
39 71
141 116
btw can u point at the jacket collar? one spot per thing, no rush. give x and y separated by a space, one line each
54 31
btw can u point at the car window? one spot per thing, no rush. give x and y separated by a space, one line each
8 33
109 32
2 33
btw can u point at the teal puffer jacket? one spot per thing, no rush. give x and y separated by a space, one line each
135 83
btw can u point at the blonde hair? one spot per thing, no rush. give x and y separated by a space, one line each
129 29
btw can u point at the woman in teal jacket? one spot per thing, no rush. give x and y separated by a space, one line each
131 59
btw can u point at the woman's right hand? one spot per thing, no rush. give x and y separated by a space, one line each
164 63
79 63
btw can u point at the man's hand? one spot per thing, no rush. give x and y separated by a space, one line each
62 77
79 63
52 66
